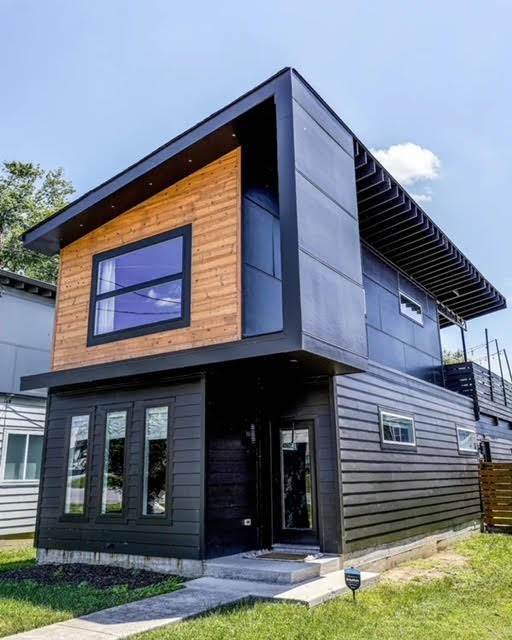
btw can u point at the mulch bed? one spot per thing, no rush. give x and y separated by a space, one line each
101 577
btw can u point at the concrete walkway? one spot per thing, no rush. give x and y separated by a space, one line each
199 596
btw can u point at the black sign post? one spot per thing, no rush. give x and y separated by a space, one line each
353 580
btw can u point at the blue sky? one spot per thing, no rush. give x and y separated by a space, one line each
93 86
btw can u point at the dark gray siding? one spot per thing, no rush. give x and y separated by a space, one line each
499 434
25 336
332 296
397 493
182 536
393 339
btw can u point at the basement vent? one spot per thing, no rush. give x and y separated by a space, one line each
410 308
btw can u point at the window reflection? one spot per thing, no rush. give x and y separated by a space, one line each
77 465
296 479
155 461
113 471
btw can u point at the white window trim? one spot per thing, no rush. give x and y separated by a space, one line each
20 432
406 295
383 412
469 430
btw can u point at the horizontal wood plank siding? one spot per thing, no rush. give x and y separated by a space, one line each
181 537
18 500
210 200
395 493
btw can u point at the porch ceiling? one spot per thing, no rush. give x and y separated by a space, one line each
391 222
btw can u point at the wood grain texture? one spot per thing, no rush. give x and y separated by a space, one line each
210 200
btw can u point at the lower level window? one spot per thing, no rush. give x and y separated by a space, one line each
23 456
467 440
155 461
397 429
113 466
77 465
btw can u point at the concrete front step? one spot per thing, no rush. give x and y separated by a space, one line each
271 571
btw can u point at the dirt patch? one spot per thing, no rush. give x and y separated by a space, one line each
433 568
101 577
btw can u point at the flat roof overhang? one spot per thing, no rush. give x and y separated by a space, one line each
390 221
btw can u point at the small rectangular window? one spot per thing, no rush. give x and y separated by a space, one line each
155 461
467 440
113 465
410 308
23 456
77 465
397 429
141 288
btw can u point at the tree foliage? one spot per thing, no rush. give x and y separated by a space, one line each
28 195
453 357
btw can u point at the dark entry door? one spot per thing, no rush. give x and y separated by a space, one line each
294 483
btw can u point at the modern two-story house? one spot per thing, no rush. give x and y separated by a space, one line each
247 349
27 310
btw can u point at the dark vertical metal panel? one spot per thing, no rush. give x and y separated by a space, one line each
395 494
332 297
395 340
288 209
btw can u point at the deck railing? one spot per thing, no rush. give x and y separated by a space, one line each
489 390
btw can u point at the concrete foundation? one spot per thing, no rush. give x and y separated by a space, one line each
387 557
175 566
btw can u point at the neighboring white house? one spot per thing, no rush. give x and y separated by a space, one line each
26 327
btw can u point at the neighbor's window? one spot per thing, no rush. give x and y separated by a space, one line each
397 429
467 440
155 461
113 465
410 308
23 456
77 465
141 288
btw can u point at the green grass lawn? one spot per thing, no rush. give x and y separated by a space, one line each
26 605
471 602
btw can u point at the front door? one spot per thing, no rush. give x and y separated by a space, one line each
294 483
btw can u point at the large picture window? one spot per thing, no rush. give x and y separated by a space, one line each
141 288
23 456
76 482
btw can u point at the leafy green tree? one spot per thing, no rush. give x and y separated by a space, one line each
28 194
453 357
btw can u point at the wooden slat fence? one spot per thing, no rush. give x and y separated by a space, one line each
496 491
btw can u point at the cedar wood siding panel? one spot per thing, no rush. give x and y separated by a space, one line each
18 500
393 494
210 200
182 536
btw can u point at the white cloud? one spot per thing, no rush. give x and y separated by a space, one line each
408 162
422 197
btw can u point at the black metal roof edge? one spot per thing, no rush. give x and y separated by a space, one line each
81 200
460 254
400 187
37 287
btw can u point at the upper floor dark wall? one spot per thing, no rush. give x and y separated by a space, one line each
394 339
26 328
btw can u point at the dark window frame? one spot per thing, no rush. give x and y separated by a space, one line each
78 517
101 417
163 325
166 518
